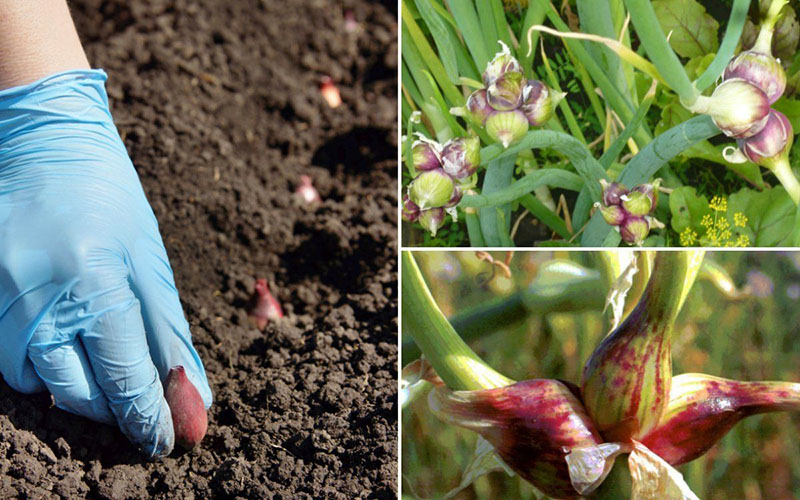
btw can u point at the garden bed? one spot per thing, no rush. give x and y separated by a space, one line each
219 106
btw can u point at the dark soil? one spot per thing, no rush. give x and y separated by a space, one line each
218 103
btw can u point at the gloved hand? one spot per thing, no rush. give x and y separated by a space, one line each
88 305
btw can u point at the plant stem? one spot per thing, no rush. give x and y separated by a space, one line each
499 175
474 228
673 275
727 47
783 171
658 49
457 365
764 42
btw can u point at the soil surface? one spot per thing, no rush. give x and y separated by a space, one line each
219 106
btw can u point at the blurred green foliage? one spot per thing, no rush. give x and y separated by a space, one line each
753 338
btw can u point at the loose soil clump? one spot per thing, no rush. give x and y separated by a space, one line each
219 106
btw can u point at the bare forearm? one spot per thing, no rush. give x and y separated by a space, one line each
37 38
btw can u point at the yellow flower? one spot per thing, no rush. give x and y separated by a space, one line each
719 204
688 237
718 229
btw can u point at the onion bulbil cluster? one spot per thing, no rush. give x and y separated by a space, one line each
752 82
630 212
741 106
509 103
771 139
444 170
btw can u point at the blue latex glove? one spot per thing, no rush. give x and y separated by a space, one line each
88 305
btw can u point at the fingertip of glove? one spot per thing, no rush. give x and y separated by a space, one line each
147 422
161 441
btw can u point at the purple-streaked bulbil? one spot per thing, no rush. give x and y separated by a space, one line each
635 229
461 157
762 70
772 144
539 102
637 203
626 381
533 425
410 209
614 215
613 192
431 189
505 93
426 155
651 191
738 108
432 219
478 106
502 63
507 127
702 409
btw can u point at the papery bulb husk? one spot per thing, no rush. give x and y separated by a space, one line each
613 192
507 127
614 215
502 63
738 108
505 93
431 189
461 157
425 155
762 70
635 229
539 102
651 191
478 106
533 425
702 409
626 381
637 203
772 144
410 210
432 219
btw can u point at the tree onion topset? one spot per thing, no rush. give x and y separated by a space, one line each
458 96
564 438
